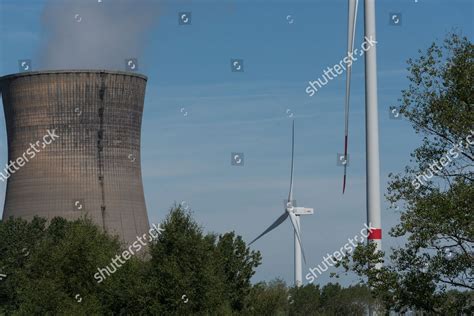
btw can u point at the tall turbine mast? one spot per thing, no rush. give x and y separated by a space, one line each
371 116
298 246
372 130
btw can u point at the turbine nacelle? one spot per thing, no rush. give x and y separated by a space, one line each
298 210
302 211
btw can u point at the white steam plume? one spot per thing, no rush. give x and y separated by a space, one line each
88 34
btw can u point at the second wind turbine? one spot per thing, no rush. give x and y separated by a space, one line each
294 213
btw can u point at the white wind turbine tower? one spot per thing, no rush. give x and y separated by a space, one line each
371 118
294 213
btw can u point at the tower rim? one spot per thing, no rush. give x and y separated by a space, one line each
69 71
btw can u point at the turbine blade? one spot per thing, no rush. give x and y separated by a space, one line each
296 227
344 181
280 220
351 27
290 195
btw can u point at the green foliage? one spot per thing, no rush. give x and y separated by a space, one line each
350 301
237 265
268 299
182 263
214 273
305 300
275 298
438 218
50 267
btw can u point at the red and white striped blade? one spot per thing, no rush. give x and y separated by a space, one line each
351 26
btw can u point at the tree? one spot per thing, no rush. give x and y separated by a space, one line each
436 189
353 300
275 298
214 273
50 269
237 264
305 300
53 269
268 299
183 277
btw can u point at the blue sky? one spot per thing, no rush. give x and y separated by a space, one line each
188 158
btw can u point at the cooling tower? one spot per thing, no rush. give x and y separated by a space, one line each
93 165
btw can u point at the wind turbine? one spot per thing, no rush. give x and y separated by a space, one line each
294 213
371 118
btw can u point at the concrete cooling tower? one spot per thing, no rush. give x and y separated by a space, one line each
74 148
